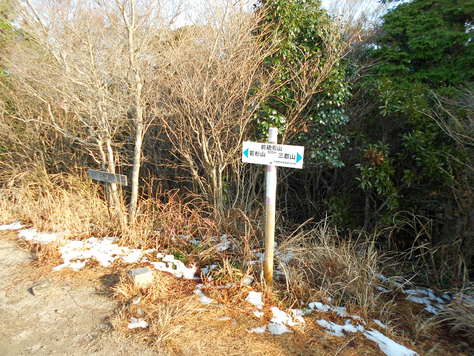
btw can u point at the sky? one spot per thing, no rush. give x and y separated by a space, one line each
193 10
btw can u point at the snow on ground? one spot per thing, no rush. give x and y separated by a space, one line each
258 330
103 250
339 330
137 323
39 237
171 265
202 297
280 319
13 226
255 298
425 296
277 329
387 345
225 244
106 251
380 324
339 311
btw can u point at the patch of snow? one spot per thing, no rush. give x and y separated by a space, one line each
382 289
207 269
429 307
224 318
285 257
380 324
277 329
16 225
255 298
297 315
104 251
258 330
281 317
225 244
258 314
339 330
320 306
75 266
260 257
340 311
38 237
76 253
202 297
137 323
176 267
389 280
387 345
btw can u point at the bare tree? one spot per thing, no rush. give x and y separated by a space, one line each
88 67
212 76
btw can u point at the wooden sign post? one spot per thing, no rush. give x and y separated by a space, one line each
272 155
107 177
111 180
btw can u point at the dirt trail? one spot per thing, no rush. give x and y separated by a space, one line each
47 316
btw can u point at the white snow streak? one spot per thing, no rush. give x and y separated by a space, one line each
255 298
39 237
387 345
258 330
202 297
13 226
137 323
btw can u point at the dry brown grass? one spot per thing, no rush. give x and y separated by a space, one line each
167 306
162 221
55 203
324 265
459 316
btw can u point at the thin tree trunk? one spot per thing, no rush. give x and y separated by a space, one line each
139 125
136 171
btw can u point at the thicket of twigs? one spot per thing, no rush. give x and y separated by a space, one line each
119 86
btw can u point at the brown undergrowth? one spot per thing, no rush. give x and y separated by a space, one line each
313 264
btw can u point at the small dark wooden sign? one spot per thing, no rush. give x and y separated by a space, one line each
107 177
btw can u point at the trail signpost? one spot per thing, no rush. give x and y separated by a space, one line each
272 155
107 177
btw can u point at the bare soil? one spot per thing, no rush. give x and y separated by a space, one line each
50 313
44 315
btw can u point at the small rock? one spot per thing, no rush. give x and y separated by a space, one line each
247 280
142 277
40 288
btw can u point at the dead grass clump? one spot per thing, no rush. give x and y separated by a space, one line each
170 220
166 306
56 203
318 262
459 316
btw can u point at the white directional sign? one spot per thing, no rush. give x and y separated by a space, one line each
273 154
